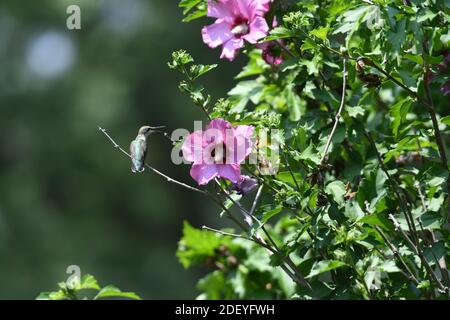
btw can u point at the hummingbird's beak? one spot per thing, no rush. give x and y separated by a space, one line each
156 128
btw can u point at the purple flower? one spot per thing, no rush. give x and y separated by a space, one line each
271 50
218 151
237 20
245 185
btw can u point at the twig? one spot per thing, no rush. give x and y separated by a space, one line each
440 262
291 172
437 132
408 216
223 233
191 82
168 179
397 255
426 265
255 202
338 115
249 218
430 108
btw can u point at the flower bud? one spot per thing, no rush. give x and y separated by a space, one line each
245 185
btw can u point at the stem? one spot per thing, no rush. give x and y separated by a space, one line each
291 172
437 132
191 83
408 216
168 179
255 202
223 233
397 255
249 218
338 115
440 262
427 266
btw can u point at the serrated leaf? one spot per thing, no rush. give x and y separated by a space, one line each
320 33
398 112
196 245
336 189
324 266
377 219
113 292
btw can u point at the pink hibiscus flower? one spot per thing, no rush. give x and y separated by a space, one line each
218 151
237 20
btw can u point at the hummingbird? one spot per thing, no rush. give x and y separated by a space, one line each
138 148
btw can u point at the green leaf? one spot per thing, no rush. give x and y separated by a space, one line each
88 282
336 189
446 120
279 33
308 44
293 102
398 112
414 57
310 154
113 292
378 219
320 33
270 213
324 266
354 112
196 245
200 69
431 220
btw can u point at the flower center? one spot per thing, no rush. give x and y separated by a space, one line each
218 154
240 29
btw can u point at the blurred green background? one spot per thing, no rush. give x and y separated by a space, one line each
67 197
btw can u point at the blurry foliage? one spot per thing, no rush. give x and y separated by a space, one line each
66 197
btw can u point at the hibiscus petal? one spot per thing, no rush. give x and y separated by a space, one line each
192 147
258 7
231 172
204 173
221 9
241 145
221 125
242 9
258 30
231 47
216 34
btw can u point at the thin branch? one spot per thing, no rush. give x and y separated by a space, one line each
291 172
191 82
442 265
255 202
437 132
397 255
168 179
223 233
338 115
249 218
427 266
430 108
408 216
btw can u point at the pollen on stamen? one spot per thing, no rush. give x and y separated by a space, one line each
240 29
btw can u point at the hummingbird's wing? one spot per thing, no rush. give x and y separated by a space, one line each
138 151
